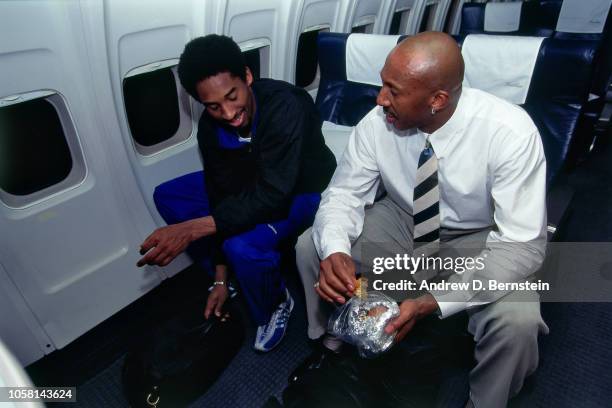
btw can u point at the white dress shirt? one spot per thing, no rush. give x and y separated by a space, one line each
491 172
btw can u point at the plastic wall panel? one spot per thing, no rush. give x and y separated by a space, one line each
133 34
436 21
454 19
254 24
306 15
19 328
358 12
70 255
412 7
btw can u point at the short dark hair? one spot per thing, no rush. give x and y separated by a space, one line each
207 56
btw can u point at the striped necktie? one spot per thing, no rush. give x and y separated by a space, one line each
426 203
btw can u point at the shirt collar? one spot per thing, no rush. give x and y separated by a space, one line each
440 139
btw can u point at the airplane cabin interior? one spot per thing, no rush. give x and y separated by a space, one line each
94 121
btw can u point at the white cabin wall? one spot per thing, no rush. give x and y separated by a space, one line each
410 10
18 325
307 15
359 12
70 251
255 24
126 36
454 18
441 13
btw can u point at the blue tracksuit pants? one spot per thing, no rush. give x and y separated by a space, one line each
253 255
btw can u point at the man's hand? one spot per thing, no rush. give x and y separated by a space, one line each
411 311
336 277
216 299
165 243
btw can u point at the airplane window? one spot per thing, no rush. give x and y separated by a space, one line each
258 60
428 16
34 153
395 23
449 19
364 29
253 61
152 106
307 59
399 22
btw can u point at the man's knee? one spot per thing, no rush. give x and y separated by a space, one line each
236 248
524 325
518 326
239 249
305 247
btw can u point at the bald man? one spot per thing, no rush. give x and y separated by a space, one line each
461 169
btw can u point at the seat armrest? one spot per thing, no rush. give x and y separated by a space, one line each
557 205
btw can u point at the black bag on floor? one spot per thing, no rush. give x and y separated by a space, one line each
408 376
182 359
396 379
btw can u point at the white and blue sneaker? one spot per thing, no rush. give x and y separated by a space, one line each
270 335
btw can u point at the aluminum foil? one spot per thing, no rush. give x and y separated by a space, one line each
361 322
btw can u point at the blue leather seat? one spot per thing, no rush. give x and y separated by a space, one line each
340 101
547 16
472 18
557 96
539 18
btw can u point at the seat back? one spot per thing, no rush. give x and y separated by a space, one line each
557 98
583 20
350 65
500 65
547 17
518 18
590 20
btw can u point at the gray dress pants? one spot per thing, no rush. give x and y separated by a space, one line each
505 332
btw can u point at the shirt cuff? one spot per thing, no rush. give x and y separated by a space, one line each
331 247
448 304
450 308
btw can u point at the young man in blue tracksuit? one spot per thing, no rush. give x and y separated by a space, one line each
265 165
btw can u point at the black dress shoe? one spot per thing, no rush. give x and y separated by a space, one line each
329 380
319 358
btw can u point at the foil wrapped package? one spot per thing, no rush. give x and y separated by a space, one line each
361 321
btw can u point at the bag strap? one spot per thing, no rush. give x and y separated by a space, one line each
153 397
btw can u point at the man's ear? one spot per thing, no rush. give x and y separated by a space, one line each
440 100
249 76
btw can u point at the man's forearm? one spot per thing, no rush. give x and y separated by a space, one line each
202 227
427 305
221 273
